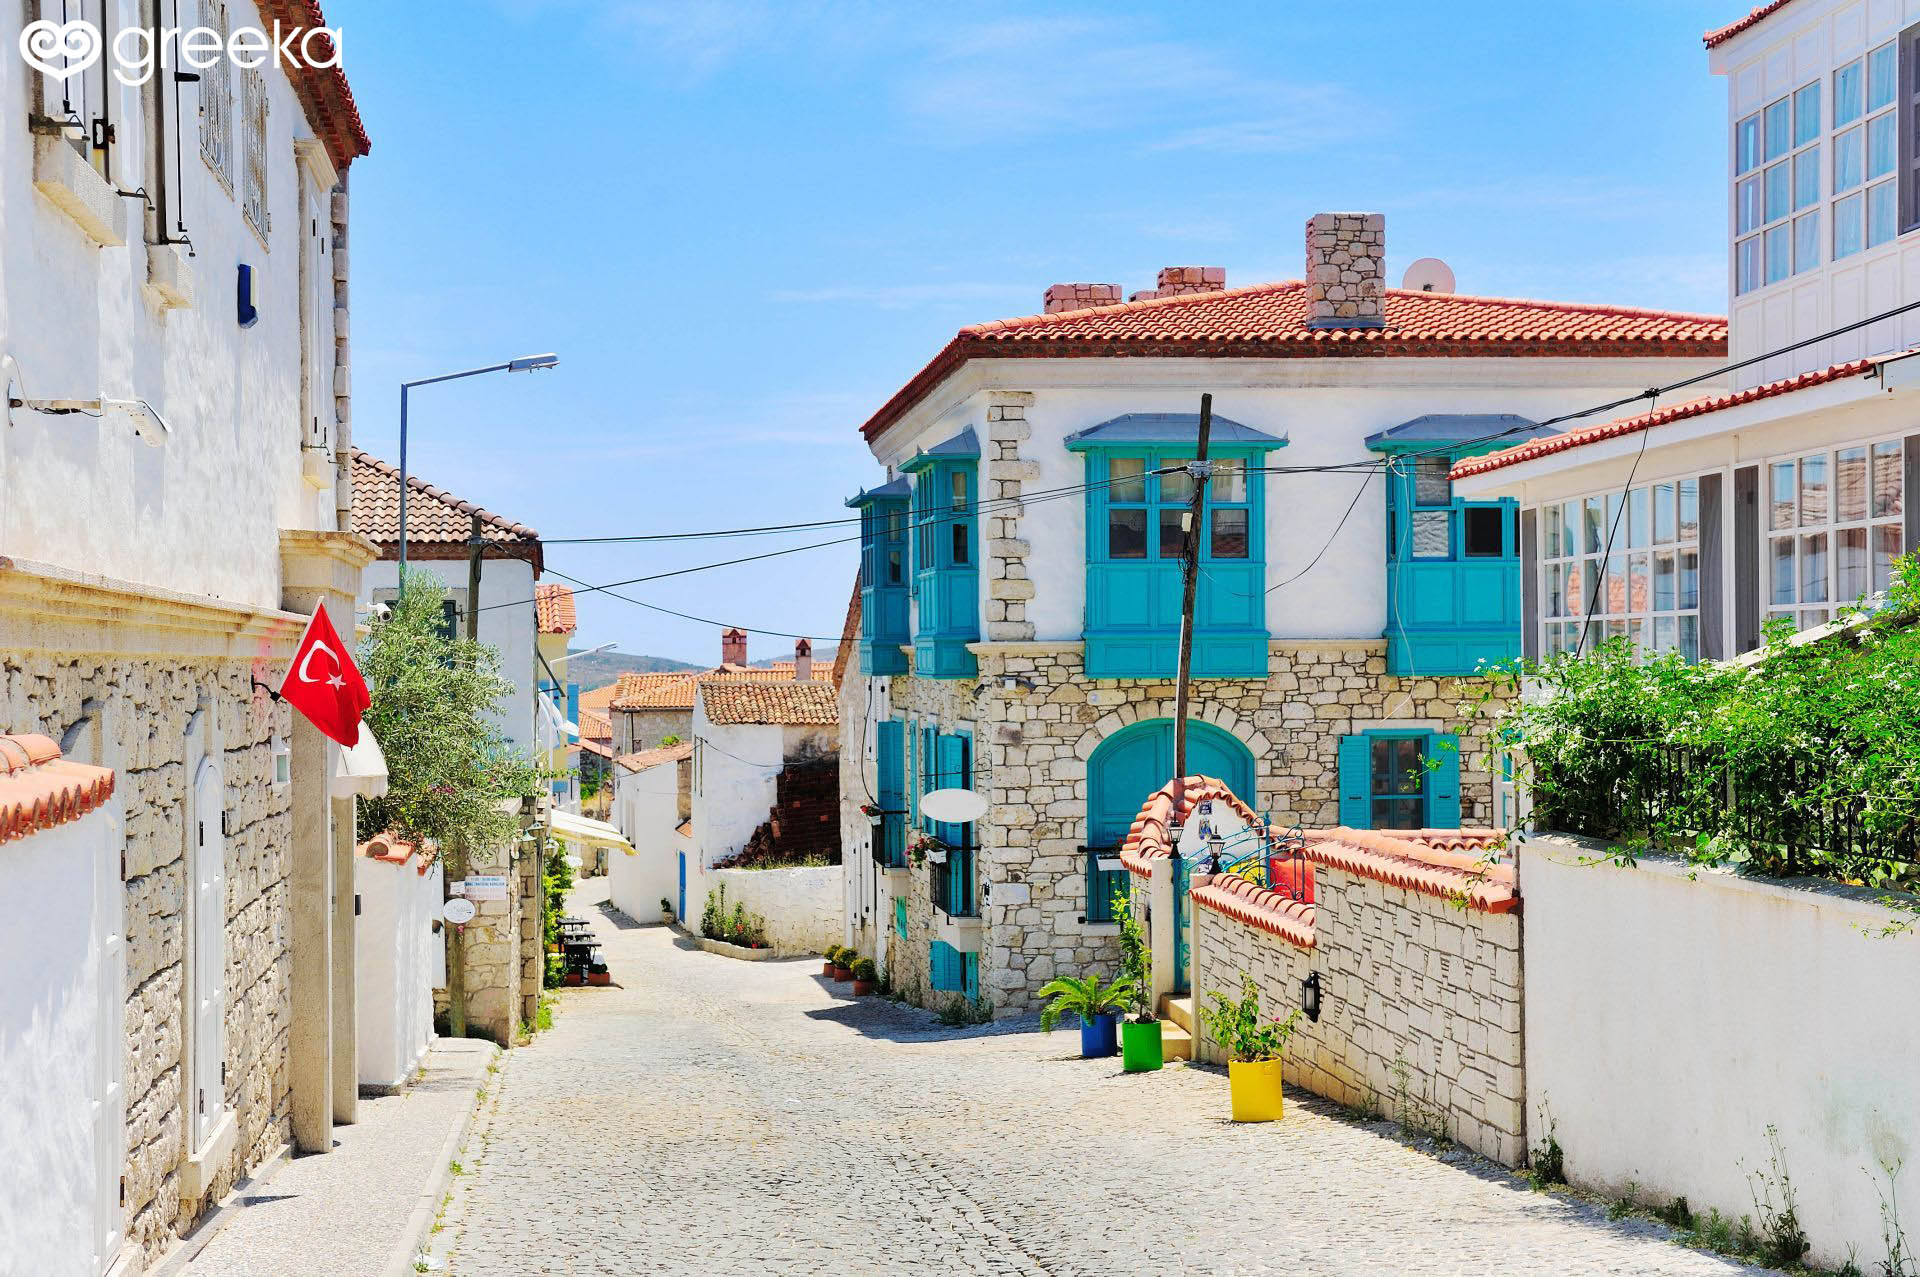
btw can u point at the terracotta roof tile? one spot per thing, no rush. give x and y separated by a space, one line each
390 848
1270 911
1720 35
675 691
595 724
1550 444
437 519
1402 862
735 701
598 748
1269 321
1146 840
324 93
648 758
39 789
552 608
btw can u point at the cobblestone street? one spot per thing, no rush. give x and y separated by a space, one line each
720 1117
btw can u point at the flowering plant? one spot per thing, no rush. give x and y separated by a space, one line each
924 845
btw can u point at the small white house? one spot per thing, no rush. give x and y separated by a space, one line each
399 958
651 807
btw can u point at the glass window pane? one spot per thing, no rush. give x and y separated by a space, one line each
1173 533
1853 570
1746 202
1615 527
1746 265
1881 144
1850 484
1689 509
1779 253
1746 144
1847 231
1806 114
1593 529
1806 177
1782 591
1689 638
1806 241
1579 587
1614 602
1570 529
961 483
1639 518
1689 580
1483 531
1813 489
1639 588
1663 631
1847 93
1888 479
1126 534
1616 629
1886 548
1126 479
1813 568
962 543
1881 75
1779 192
1882 214
1780 511
1430 485
1431 534
1849 160
1778 128
1663 526
1229 532
1550 534
896 572
1816 616
1556 591
1229 482
1637 635
1665 579
1177 486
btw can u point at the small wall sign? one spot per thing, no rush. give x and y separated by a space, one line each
457 910
486 887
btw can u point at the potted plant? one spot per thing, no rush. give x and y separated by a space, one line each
666 909
1254 1048
865 976
1097 1006
843 964
1141 1048
827 964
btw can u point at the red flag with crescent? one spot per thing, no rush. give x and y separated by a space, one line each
324 684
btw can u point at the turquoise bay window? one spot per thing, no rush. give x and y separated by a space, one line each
884 628
946 556
1400 780
1139 502
1453 566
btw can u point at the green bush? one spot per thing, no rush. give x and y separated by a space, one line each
1237 1026
864 970
832 954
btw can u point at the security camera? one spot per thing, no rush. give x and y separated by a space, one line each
382 611
151 428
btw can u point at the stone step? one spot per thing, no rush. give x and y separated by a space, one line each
1178 1009
1175 1042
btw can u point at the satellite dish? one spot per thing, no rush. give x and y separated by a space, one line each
952 806
1428 275
457 910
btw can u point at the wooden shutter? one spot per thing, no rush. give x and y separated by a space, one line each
1530 584
1713 646
890 764
1746 558
900 916
1356 766
1443 781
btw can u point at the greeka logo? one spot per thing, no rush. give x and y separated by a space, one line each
61 50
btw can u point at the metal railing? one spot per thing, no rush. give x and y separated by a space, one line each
952 883
1105 876
1275 861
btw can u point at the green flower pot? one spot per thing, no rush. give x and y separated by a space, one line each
1140 1047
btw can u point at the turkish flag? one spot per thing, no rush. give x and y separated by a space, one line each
324 684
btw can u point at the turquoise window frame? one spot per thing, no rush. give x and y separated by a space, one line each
885 613
1448 614
1132 624
890 767
951 970
1441 790
949 764
945 539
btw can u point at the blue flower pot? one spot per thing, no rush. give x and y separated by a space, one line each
1100 1036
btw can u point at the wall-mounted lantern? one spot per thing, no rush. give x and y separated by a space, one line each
1310 997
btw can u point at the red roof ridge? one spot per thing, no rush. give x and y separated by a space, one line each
39 789
1144 303
1402 862
1271 911
1720 35
417 484
1619 426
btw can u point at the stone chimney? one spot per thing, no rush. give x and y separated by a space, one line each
802 661
1080 296
1176 281
1346 285
733 647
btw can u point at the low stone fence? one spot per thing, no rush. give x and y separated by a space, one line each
801 906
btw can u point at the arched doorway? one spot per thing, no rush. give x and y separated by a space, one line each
1132 763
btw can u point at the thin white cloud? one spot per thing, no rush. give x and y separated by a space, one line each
900 296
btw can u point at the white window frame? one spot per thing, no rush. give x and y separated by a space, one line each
1654 630
206 1090
1807 613
216 100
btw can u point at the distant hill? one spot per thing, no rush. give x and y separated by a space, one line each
602 668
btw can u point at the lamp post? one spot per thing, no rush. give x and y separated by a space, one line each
528 363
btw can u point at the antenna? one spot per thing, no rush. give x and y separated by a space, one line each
1428 275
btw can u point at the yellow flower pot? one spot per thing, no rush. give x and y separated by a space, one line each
1255 1087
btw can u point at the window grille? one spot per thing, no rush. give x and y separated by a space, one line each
216 100
253 108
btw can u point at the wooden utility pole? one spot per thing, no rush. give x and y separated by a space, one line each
456 948
1202 472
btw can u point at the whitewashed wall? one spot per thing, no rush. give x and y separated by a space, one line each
801 906
646 810
397 956
734 771
1673 1014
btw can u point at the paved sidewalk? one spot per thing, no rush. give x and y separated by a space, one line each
364 1208
747 1119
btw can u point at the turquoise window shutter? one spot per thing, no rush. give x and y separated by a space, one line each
891 764
1443 782
970 975
900 916
1356 782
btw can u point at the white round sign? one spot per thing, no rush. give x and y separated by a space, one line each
952 806
573 861
457 910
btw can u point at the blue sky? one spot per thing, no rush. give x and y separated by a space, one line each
744 225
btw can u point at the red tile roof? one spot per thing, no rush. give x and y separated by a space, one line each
439 523
1146 840
1721 35
1271 911
674 691
390 848
748 701
598 748
1269 321
648 758
552 608
39 789
1401 862
324 93
1551 444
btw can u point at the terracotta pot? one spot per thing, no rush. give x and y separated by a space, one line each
572 978
600 977
826 970
861 988
842 974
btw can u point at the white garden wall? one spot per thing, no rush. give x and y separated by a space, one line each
1672 1014
802 906
398 960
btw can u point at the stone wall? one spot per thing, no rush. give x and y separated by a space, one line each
638 729
801 906
1031 748
1420 1005
1346 268
133 715
496 972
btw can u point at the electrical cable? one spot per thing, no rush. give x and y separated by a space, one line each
1605 573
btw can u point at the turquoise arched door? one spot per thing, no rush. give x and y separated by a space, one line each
1131 764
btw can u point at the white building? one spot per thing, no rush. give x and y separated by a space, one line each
1791 496
400 958
173 503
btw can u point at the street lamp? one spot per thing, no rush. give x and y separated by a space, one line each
527 363
604 647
